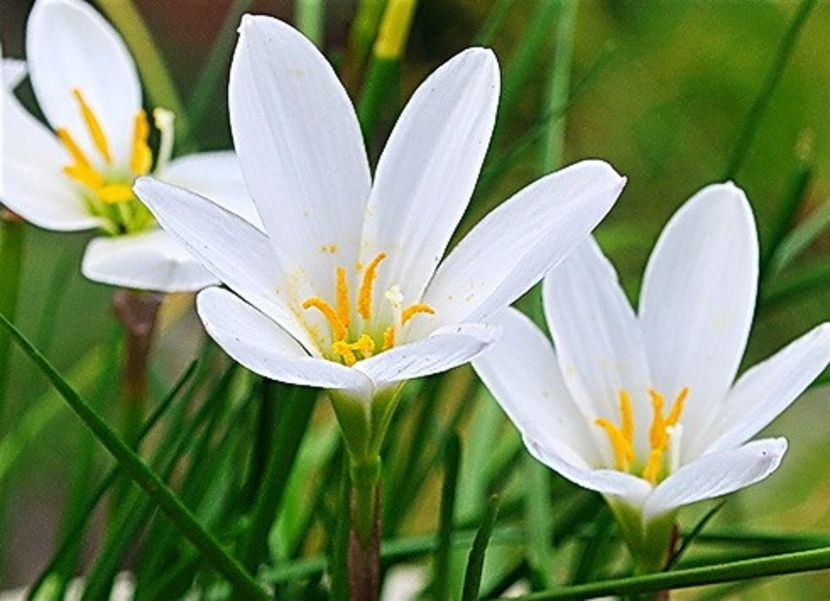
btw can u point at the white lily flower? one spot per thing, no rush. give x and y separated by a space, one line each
80 175
343 289
643 409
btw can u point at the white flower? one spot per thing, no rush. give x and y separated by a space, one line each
643 409
80 176
343 289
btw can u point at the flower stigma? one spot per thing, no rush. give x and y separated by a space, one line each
664 430
351 344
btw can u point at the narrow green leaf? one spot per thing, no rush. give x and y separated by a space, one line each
475 560
688 539
492 22
802 236
809 278
161 494
12 238
441 563
311 18
761 102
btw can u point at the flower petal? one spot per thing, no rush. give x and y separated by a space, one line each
214 175
428 170
766 390
443 350
70 46
34 185
522 373
259 344
715 475
13 73
232 249
597 337
151 260
514 245
301 150
698 299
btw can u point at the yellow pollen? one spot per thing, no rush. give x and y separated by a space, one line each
365 345
96 132
364 296
338 329
657 432
627 414
344 349
141 158
654 465
72 147
412 310
623 453
342 294
84 174
677 407
389 338
114 193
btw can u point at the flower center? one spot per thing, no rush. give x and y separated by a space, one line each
664 429
107 186
354 336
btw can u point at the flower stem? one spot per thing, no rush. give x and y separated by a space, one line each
364 540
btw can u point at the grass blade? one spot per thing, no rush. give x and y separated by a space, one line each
692 536
491 24
12 237
441 562
475 560
157 490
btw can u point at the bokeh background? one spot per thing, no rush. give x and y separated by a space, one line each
661 89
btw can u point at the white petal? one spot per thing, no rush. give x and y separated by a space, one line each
446 348
716 474
214 175
522 373
698 298
598 339
766 390
300 147
34 185
514 245
428 170
566 463
13 73
68 46
232 249
151 260
259 344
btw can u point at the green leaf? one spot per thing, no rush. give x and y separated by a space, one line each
441 562
161 494
475 560
802 236
12 237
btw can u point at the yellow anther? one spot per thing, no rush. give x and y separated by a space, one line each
96 132
388 338
342 295
657 433
338 329
85 175
72 147
365 345
412 310
627 415
141 158
344 349
623 453
114 193
653 466
364 296
677 407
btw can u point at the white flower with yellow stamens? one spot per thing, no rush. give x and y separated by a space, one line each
343 289
80 175
643 409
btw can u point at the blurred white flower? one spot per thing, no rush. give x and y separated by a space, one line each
80 175
342 289
643 409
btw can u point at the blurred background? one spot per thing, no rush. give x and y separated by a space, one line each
660 89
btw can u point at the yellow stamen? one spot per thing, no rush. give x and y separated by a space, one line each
323 307
677 407
653 466
657 433
623 453
141 158
96 132
342 295
85 175
72 147
627 414
114 193
364 297
344 349
365 345
389 338
412 310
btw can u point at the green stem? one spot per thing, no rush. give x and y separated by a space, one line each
364 542
170 504
12 239
761 102
310 17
